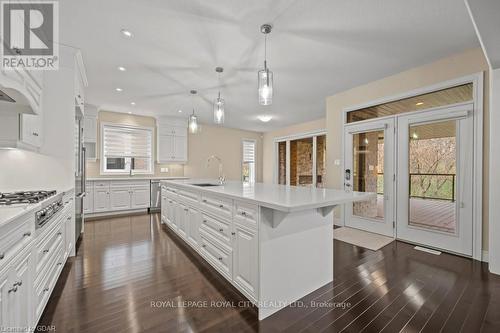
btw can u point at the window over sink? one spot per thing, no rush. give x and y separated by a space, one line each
126 149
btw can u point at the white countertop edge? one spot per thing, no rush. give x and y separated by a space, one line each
271 205
9 213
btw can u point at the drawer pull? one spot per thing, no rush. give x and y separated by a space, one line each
59 233
221 230
27 234
203 246
220 258
185 209
68 218
244 213
18 283
45 251
204 200
204 221
221 206
12 290
59 263
233 233
2 255
45 290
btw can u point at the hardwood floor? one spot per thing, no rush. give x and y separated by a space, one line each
130 274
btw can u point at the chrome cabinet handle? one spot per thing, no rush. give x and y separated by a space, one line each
185 209
59 263
45 290
221 206
233 233
203 246
204 200
59 233
27 234
18 283
221 230
45 251
68 218
2 255
204 221
244 213
220 258
12 290
35 134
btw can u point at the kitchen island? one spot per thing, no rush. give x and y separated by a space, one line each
274 243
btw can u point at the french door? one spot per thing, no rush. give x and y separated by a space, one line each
434 178
369 167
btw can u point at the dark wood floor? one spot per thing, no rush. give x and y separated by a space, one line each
125 264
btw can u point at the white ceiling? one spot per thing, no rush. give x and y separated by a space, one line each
317 48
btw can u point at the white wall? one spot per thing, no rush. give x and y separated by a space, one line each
494 195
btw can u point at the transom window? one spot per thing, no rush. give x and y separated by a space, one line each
126 148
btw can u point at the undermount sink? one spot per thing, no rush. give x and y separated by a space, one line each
205 184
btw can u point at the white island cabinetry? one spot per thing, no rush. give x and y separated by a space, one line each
273 243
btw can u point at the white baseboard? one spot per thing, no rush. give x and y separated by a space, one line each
115 213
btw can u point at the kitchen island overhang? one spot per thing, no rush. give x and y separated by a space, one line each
274 243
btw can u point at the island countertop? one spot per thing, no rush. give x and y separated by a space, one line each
279 197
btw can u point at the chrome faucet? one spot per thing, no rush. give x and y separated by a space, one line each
222 178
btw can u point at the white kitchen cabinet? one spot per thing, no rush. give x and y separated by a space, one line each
172 213
245 260
172 140
140 197
88 200
119 198
31 129
163 206
6 310
101 199
193 227
21 298
90 128
23 131
182 220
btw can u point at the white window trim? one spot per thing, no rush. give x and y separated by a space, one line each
101 149
287 138
254 161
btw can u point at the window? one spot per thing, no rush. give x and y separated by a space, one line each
248 165
125 148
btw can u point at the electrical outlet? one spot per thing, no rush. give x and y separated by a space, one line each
164 170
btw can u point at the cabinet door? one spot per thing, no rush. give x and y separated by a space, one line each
31 129
182 220
90 129
163 207
6 313
193 227
101 200
180 148
165 148
245 261
140 197
120 198
21 279
88 202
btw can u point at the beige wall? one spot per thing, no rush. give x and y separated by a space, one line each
469 62
268 144
225 143
221 141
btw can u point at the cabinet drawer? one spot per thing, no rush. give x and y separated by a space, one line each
219 206
51 244
217 227
45 286
103 184
216 254
15 235
246 214
188 197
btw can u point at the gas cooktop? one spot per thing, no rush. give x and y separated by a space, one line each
24 197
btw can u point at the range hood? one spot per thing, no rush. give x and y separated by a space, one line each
12 100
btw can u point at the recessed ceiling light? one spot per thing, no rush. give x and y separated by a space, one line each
265 119
129 112
127 33
419 103
122 69
119 89
180 111
132 103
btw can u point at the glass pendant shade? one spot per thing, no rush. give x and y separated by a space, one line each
265 78
193 124
219 110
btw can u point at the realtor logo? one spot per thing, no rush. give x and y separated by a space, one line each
30 33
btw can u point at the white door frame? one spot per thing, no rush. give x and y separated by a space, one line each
385 227
477 80
462 241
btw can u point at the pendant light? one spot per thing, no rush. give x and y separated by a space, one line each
219 103
193 120
265 76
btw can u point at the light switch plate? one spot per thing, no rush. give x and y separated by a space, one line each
164 169
336 162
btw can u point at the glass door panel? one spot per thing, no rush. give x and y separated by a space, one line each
369 167
432 174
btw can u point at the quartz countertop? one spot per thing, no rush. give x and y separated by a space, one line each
101 178
10 213
279 197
